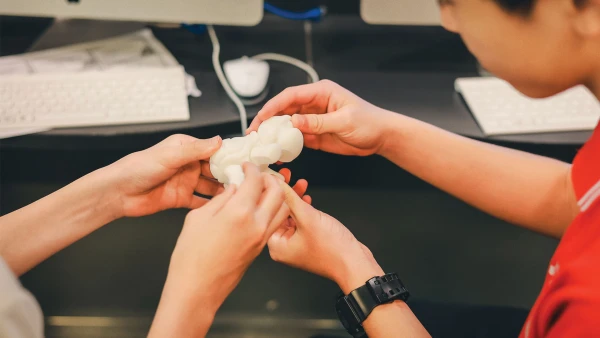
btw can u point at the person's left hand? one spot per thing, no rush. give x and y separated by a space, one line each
169 175
320 244
165 176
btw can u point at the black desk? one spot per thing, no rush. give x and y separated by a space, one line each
410 70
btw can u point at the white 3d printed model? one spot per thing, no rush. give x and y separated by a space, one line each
276 141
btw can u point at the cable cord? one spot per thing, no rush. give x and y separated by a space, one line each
312 14
290 60
219 70
254 101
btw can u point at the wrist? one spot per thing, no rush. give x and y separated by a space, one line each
90 200
356 272
107 185
191 287
185 310
393 130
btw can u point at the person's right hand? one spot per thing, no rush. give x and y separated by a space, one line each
320 244
331 118
218 243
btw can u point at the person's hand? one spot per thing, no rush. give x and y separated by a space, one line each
164 176
216 246
331 118
169 175
300 187
320 244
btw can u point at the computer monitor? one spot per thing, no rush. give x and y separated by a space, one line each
218 12
400 12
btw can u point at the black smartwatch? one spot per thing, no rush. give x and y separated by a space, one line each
354 308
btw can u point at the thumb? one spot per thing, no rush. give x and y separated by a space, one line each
301 211
186 152
317 124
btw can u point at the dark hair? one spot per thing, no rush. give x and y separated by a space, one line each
525 6
520 6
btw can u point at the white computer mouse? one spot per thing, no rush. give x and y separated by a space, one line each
248 77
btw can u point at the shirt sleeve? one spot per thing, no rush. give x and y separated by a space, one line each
20 314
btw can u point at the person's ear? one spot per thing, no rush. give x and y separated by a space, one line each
587 23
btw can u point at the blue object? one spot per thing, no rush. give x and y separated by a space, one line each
312 14
196 29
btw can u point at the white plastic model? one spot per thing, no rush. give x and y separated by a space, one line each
276 141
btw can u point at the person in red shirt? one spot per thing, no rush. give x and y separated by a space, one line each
541 47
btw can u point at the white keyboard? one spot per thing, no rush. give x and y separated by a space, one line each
93 98
500 109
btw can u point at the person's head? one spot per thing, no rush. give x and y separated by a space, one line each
541 47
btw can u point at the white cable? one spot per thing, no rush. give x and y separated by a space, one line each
260 98
219 70
292 61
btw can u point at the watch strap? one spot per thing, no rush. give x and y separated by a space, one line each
354 308
363 301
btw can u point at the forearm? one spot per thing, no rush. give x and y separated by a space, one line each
388 320
33 233
521 188
189 303
179 317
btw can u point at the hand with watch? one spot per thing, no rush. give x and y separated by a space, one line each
371 302
353 309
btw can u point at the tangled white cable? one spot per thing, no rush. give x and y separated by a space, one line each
276 141
240 103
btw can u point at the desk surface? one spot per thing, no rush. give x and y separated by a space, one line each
410 70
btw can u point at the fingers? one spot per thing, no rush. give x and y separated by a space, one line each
251 189
278 243
186 149
317 124
205 169
291 100
220 190
207 187
271 204
307 199
197 202
281 231
287 175
300 187
218 202
312 141
298 208
278 221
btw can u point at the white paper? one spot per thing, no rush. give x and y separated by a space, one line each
138 49
135 50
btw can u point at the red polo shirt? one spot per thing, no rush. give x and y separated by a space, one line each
569 303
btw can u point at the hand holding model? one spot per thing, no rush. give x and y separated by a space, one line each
217 245
275 141
331 118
